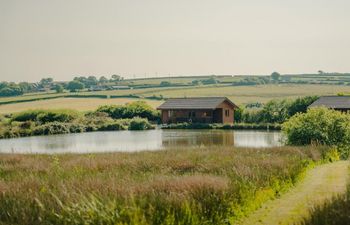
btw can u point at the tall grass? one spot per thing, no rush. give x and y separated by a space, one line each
177 186
333 212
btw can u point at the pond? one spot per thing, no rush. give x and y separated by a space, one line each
131 141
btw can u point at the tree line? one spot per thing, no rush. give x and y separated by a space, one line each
274 111
8 89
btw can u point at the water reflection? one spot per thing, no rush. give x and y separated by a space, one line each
129 141
198 138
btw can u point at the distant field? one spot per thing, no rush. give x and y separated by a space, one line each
239 94
260 93
81 104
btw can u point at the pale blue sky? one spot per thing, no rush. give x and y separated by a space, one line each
62 39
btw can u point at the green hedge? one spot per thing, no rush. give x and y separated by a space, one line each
46 116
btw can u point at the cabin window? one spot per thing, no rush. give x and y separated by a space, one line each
227 112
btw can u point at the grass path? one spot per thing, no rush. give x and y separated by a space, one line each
320 183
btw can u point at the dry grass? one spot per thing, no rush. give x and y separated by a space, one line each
259 93
81 104
239 94
202 183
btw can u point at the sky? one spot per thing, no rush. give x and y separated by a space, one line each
148 38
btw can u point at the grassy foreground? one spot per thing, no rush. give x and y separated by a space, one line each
177 186
332 212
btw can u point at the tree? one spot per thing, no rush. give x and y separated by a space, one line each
103 80
238 115
300 105
59 88
91 80
10 91
320 126
275 111
275 76
165 84
196 82
116 78
25 86
46 81
75 85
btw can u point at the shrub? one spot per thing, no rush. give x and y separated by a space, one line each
274 111
26 125
112 126
26 115
77 128
131 110
319 126
94 120
138 123
46 116
52 128
57 116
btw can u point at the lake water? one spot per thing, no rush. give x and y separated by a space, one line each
131 141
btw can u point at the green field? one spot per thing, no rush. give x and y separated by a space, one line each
239 94
80 104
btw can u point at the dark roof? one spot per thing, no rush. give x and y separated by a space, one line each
333 102
194 103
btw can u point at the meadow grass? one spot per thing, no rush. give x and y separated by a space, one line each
238 94
214 185
80 104
257 93
333 212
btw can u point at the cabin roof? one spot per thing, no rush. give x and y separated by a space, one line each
333 102
195 103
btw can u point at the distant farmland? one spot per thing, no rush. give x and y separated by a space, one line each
81 104
241 95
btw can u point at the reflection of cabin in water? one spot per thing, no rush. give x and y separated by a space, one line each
340 103
198 110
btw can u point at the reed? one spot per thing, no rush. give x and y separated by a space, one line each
177 186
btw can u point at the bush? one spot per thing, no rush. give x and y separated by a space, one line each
29 115
274 111
131 110
77 128
319 126
52 128
138 123
112 126
63 116
46 116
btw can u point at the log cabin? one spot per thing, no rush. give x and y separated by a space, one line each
198 110
340 103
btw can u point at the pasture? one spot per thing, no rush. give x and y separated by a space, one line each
80 104
257 93
239 94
